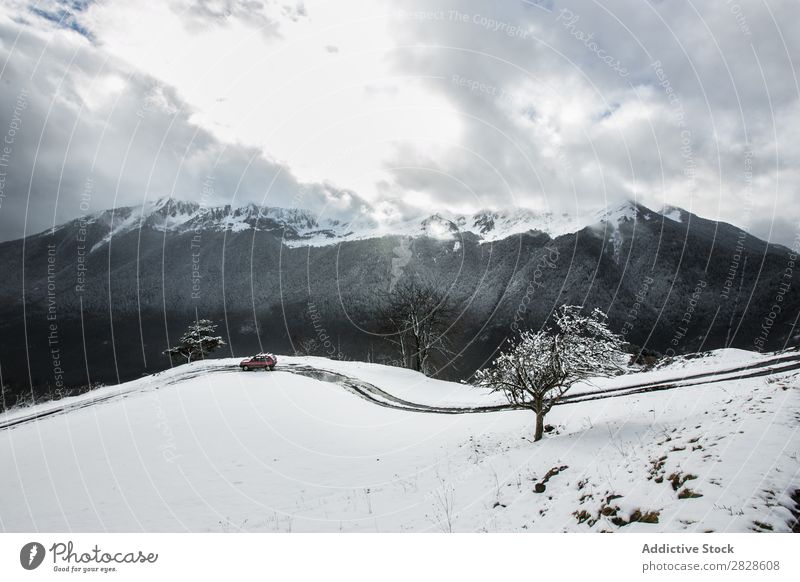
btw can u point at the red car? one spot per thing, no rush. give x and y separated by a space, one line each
259 361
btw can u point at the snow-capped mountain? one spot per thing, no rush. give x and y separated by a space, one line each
132 277
298 227
171 215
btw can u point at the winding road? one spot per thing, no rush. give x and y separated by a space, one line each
776 365
773 366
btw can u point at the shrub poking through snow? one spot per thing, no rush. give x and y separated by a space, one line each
644 516
539 370
687 493
678 479
541 486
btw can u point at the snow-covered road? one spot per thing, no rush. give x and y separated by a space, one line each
431 400
623 386
205 447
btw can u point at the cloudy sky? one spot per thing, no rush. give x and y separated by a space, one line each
399 107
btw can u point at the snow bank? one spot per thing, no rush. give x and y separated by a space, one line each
205 447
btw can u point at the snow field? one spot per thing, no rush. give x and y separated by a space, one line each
192 450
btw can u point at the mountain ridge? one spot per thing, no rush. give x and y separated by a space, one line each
302 227
154 270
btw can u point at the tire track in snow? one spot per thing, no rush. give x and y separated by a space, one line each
777 365
382 398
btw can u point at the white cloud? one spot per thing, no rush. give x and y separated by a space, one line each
327 115
445 105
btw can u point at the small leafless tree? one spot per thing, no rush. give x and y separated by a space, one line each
199 340
416 316
539 370
306 346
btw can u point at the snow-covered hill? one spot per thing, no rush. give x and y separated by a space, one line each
299 227
205 447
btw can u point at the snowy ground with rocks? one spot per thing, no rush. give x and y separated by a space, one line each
205 447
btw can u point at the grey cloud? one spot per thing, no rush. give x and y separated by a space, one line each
121 149
731 71
513 70
266 15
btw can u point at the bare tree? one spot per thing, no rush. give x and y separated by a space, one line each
306 346
539 370
417 316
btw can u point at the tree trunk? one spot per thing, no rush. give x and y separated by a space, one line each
537 436
416 364
423 362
